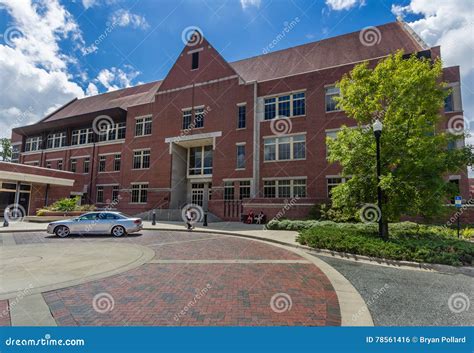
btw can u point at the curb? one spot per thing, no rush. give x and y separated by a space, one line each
410 265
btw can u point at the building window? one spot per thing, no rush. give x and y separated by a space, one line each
285 188
285 148
114 132
15 153
139 193
141 159
82 137
33 144
241 116
48 164
240 156
143 126
198 118
331 93
56 140
73 166
200 160
117 162
228 190
299 104
102 161
115 193
187 115
244 189
285 106
332 183
100 194
449 103
86 165
59 165
195 60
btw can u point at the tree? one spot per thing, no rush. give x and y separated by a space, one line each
6 151
407 95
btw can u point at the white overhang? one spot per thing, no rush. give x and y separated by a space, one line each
33 178
184 140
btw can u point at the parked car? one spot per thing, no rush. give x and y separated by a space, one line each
114 223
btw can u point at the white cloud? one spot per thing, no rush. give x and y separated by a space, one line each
89 3
115 78
339 5
449 24
124 18
92 89
33 69
248 3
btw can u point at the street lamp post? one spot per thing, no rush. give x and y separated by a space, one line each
377 126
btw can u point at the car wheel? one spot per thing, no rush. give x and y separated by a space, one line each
62 231
118 231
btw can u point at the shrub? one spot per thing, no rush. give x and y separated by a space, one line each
408 241
65 205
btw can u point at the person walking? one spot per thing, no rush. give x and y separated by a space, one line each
189 218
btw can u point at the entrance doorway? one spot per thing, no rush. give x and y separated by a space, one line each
200 194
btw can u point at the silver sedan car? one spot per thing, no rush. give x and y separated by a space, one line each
114 223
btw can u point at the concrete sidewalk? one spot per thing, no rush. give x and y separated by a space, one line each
285 237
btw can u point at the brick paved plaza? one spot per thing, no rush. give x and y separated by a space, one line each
194 279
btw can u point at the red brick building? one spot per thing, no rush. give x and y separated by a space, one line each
207 132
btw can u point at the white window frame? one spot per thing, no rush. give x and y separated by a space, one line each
291 185
237 146
144 122
58 140
78 133
277 142
277 101
140 187
105 135
326 95
38 140
141 154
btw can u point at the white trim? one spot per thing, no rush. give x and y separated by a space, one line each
286 178
454 177
240 143
108 154
139 149
238 179
144 116
287 135
30 162
53 159
205 135
78 157
16 143
241 104
276 95
197 84
140 182
195 50
37 179
107 184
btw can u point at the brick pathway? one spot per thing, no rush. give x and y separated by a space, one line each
4 313
266 285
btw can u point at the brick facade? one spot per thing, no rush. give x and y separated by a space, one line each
217 87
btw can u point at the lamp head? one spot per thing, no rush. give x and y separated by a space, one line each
377 126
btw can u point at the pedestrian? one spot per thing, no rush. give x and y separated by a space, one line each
189 218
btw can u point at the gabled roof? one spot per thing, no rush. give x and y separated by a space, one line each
122 98
340 50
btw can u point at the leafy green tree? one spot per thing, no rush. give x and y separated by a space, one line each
6 149
406 95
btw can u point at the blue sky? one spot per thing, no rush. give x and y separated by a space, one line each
52 51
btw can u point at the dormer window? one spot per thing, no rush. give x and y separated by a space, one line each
195 60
